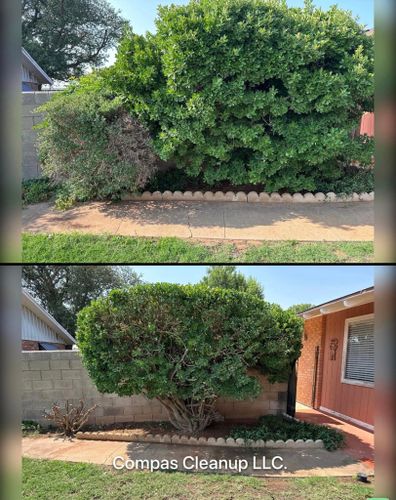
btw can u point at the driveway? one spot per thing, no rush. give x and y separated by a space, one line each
353 221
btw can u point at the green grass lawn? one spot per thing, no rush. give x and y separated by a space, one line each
86 248
44 479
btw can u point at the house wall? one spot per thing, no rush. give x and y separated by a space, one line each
367 125
353 401
34 329
50 376
312 338
30 101
27 75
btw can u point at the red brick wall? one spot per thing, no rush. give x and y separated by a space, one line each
312 338
32 345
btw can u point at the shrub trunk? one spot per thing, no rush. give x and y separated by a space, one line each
191 416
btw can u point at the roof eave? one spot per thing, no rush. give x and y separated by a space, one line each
347 302
27 299
29 59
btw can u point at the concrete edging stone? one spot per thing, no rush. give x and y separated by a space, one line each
251 197
202 441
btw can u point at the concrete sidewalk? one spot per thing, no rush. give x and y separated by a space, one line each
298 463
205 220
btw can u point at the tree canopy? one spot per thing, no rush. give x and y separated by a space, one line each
229 277
67 37
186 346
297 308
65 290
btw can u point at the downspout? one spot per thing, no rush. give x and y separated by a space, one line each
291 391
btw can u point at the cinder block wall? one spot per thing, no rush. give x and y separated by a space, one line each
55 376
30 101
271 401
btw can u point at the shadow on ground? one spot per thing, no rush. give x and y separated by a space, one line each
226 220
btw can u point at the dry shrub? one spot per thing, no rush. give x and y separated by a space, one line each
69 419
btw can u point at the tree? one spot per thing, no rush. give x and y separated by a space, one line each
297 308
67 37
65 290
186 346
251 91
229 277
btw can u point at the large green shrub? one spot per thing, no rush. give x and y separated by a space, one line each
92 145
186 346
251 91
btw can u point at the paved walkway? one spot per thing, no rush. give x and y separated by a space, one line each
298 462
359 443
226 221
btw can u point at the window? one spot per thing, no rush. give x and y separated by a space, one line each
358 355
47 346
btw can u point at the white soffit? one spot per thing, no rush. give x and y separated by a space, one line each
28 301
341 304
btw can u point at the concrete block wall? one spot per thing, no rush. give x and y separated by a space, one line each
30 117
271 401
58 376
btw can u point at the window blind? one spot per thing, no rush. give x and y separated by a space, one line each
360 351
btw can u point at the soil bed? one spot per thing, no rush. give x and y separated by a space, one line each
139 429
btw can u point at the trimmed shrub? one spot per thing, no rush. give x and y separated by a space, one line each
93 146
186 346
251 91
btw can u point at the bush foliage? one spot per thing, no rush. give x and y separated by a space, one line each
251 91
186 346
92 145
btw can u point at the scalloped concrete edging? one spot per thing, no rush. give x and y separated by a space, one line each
202 441
252 197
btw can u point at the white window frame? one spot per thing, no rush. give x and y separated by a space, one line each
348 321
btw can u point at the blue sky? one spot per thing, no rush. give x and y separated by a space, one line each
141 13
284 285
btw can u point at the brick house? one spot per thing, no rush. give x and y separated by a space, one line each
40 331
335 372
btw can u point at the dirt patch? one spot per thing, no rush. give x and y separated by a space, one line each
140 429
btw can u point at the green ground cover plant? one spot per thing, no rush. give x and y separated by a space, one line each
78 481
277 427
351 180
83 248
193 345
29 427
37 190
